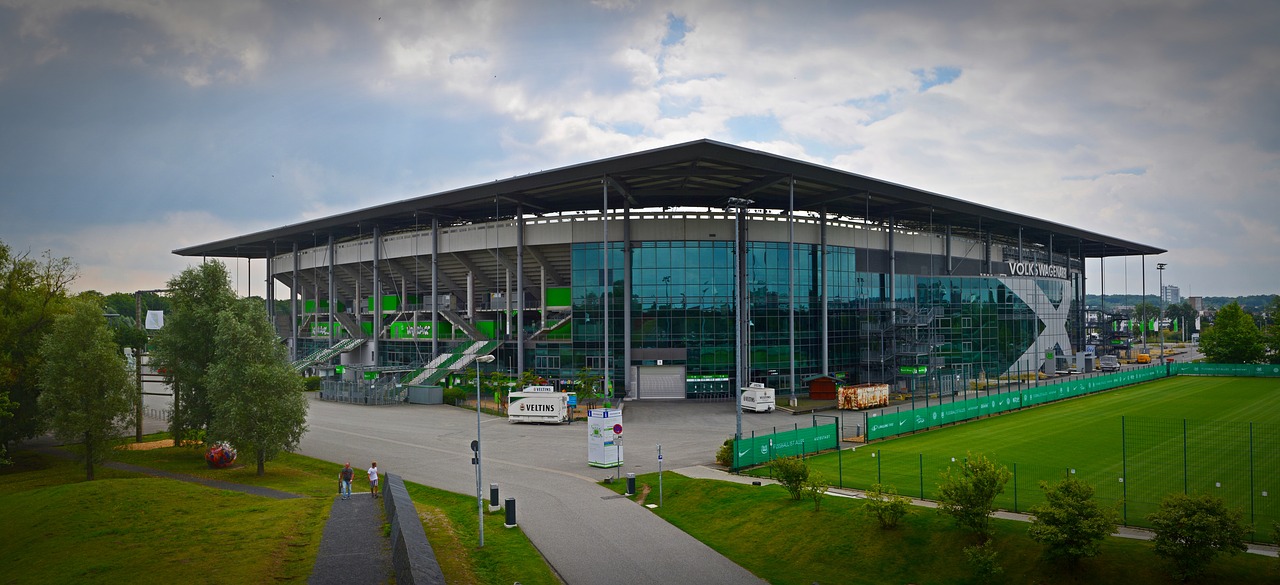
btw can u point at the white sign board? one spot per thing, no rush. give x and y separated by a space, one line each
602 449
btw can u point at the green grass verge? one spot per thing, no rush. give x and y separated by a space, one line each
131 528
1084 435
785 541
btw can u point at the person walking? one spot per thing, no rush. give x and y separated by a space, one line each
344 481
373 479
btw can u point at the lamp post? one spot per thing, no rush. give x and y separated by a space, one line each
737 204
484 359
1159 321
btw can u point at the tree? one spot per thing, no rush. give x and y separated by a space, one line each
87 393
1143 315
183 350
1191 530
587 386
886 505
32 292
6 411
1070 523
969 494
1233 338
1271 334
254 393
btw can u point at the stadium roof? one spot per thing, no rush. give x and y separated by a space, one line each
702 173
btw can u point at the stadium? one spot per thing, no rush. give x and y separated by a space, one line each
681 272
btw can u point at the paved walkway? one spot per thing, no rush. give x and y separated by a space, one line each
353 550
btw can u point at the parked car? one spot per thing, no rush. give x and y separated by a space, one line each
1143 358
1109 363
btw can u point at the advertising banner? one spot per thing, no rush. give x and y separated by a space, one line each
764 448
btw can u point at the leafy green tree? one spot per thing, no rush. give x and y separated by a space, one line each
886 505
87 393
968 493
1191 530
183 350
254 393
1185 316
1271 334
1143 315
1070 523
587 387
32 293
6 411
1233 338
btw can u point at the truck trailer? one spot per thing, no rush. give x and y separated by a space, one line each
538 404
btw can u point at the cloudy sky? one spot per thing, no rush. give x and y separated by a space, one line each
129 128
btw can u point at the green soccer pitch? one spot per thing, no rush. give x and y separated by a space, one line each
1186 433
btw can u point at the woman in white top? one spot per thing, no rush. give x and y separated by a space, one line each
373 479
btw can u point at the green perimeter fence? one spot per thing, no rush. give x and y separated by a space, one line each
888 424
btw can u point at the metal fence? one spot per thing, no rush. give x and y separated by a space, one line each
377 392
1237 461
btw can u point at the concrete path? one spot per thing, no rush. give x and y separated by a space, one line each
353 550
587 533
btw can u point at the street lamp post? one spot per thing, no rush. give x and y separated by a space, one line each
484 359
737 204
1159 322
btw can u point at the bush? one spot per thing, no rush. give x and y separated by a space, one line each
814 489
969 496
455 394
793 474
1191 530
886 505
1070 524
311 384
724 455
983 559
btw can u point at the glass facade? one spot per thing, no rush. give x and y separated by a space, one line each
921 333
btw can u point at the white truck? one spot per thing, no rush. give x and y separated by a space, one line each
757 397
538 404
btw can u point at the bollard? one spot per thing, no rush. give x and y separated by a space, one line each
493 497
631 484
511 513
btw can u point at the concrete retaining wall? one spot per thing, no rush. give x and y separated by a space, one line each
412 557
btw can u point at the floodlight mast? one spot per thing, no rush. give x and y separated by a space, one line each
1159 322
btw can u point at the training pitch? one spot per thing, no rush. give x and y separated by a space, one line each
1134 445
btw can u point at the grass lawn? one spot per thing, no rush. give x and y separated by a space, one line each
785 541
129 528
1084 435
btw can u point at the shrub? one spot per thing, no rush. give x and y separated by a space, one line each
1070 523
454 395
724 455
1191 530
983 559
311 384
793 474
815 488
886 505
969 496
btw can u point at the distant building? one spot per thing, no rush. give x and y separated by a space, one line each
1170 295
1197 303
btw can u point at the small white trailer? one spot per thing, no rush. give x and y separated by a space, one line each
538 404
757 397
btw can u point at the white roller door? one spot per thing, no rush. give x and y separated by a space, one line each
660 382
